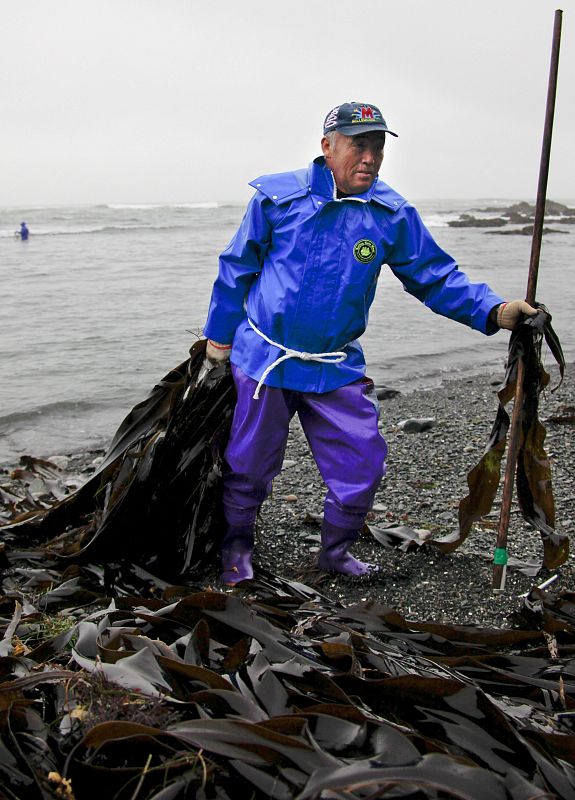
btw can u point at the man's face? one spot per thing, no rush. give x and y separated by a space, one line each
354 160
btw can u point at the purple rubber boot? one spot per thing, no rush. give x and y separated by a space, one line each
334 556
236 553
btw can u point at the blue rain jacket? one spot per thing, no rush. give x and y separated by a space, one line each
303 266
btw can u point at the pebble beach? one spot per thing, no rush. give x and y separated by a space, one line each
425 481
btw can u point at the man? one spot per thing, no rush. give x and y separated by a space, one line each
23 231
291 299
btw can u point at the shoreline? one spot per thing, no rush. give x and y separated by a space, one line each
98 442
426 479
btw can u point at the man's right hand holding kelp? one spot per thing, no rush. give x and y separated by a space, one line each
217 353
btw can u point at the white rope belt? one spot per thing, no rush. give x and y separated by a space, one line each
325 358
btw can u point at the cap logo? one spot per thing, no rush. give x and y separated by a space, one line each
365 114
364 251
331 117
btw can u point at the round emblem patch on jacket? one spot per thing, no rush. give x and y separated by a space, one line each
364 251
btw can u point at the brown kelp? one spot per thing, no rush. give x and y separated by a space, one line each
159 478
533 479
171 691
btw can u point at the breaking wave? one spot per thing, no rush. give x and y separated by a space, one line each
151 206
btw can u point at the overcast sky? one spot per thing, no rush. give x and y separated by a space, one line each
107 101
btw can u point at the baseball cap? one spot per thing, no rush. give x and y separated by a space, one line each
353 118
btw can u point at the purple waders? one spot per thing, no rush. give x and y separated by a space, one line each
341 428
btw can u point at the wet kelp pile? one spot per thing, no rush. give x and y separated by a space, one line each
173 692
122 672
155 497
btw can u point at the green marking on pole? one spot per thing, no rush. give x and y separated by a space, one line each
500 556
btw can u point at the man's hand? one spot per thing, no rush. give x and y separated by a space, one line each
217 353
509 314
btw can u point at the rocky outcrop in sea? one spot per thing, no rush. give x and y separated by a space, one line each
517 218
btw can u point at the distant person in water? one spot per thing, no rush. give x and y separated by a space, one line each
24 232
291 300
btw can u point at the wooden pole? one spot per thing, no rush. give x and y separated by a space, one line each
500 557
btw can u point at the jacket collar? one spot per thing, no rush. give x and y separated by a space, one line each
322 183
317 181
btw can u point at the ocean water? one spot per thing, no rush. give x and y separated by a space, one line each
102 301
